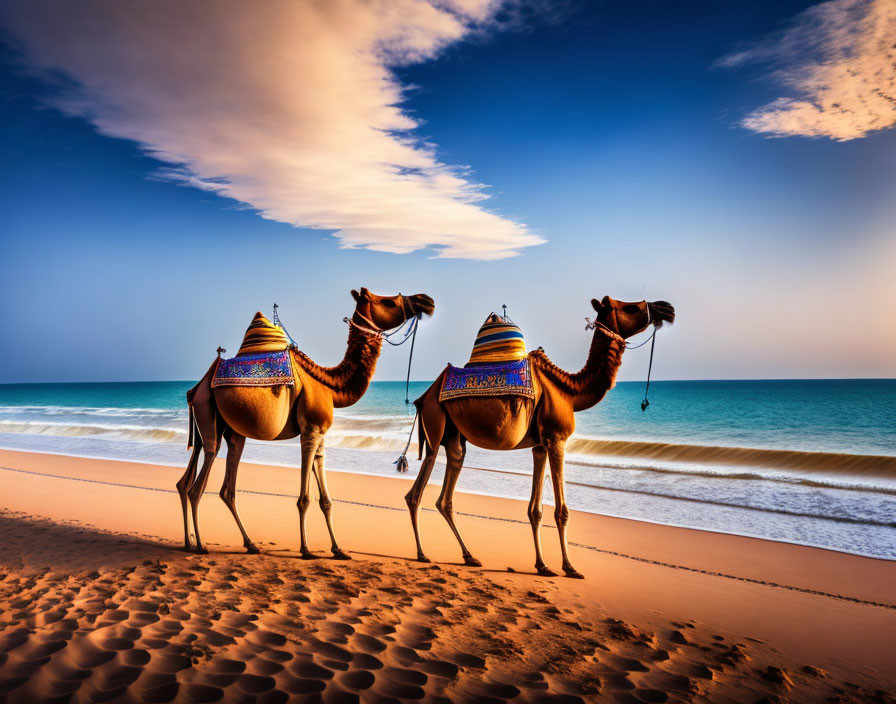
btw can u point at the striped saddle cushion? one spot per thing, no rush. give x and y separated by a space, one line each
499 340
267 369
263 336
507 379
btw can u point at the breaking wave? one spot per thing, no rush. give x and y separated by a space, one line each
881 466
123 432
389 433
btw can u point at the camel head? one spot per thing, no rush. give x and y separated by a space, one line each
387 312
628 318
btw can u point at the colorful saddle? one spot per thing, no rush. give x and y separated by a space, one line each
266 369
505 379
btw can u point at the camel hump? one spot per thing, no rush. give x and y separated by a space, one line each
263 336
498 340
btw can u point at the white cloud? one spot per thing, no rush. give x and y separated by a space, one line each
288 106
838 59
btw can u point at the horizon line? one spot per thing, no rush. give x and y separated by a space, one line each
429 381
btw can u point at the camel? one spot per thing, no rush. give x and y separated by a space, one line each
513 422
305 409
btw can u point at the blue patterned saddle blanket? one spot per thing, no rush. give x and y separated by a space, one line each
265 369
504 379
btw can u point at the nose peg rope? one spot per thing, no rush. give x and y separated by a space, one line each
645 403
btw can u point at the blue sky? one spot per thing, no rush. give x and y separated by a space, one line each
614 133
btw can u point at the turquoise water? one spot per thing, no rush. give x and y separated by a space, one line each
849 416
834 487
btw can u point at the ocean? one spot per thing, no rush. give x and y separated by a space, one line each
807 462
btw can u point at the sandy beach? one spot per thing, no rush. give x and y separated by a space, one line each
98 603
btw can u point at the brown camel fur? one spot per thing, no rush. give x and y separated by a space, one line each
543 423
282 412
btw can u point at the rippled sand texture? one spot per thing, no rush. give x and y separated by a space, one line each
92 616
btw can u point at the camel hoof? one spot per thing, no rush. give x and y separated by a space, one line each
423 558
252 550
187 548
339 554
471 561
309 556
573 573
545 572
201 550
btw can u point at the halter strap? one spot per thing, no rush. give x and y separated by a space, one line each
372 330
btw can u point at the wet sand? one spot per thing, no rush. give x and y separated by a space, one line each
97 603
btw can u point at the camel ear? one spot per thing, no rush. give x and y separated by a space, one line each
356 296
595 304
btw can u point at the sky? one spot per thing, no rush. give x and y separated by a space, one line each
170 168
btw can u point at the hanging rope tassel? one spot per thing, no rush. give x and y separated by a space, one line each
401 464
407 383
645 403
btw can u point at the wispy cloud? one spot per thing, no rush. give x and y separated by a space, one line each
837 60
288 106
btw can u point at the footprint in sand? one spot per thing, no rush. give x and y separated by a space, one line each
402 691
200 693
368 644
87 655
307 669
330 650
417 636
298 685
116 643
357 679
113 676
365 661
255 684
439 668
335 631
558 699
262 666
136 657
469 660
154 680
167 662
405 656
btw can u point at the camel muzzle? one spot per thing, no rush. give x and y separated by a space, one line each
661 312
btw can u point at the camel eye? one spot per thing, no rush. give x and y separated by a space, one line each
632 308
389 303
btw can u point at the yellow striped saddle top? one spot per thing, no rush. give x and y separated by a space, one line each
499 340
263 336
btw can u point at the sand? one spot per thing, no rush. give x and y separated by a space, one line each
97 603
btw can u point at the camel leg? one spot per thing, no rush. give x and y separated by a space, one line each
235 444
310 442
413 497
198 486
540 455
183 486
326 504
556 455
455 450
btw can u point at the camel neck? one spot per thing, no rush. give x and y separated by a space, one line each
349 379
589 385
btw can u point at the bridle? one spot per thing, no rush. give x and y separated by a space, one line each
408 327
591 325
